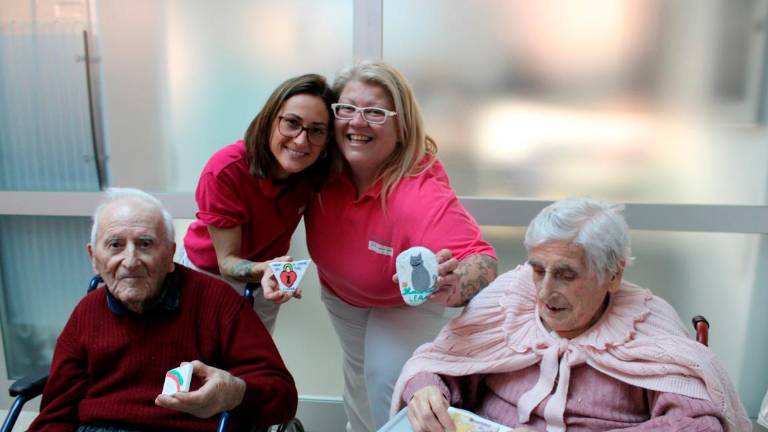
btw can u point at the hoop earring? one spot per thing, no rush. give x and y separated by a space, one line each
324 154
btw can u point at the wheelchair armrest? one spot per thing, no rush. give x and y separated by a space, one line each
31 385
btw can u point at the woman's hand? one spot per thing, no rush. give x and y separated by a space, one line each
446 264
428 411
271 288
447 279
459 281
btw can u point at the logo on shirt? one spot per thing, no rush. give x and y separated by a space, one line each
379 248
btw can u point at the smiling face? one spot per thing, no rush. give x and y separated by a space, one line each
132 252
295 154
366 146
569 298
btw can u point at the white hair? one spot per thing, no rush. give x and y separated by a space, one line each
597 226
115 194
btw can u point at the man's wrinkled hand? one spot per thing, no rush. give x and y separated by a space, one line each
221 391
428 411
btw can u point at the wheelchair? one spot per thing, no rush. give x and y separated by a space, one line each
31 386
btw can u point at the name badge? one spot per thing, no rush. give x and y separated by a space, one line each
379 248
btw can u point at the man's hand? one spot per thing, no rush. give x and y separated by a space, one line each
428 411
271 289
221 391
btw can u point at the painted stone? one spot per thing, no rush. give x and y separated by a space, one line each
289 273
417 274
178 379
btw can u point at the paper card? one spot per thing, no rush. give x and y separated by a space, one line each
762 416
417 274
466 421
399 422
289 273
178 379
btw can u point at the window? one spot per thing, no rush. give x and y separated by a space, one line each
629 101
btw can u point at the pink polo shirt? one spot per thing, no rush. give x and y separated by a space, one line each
354 243
228 195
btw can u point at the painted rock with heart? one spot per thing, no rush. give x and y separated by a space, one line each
289 273
288 276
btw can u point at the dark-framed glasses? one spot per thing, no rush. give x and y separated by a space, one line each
291 127
373 115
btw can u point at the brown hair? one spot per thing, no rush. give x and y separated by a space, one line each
260 158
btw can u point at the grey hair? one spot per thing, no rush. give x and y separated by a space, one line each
115 194
597 226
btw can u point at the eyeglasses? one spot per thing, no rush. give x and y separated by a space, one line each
291 127
372 115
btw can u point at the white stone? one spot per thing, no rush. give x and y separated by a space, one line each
289 273
416 274
178 379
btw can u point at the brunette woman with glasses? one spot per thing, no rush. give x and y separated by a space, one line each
252 194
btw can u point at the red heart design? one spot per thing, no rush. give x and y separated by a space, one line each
288 278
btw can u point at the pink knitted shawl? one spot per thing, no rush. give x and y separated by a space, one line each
639 340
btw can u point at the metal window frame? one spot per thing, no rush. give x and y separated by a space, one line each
715 218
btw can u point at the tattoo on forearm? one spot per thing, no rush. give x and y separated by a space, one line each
238 268
475 273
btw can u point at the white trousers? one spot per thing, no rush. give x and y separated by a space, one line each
265 309
376 342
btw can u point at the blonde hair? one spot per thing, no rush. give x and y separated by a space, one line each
413 143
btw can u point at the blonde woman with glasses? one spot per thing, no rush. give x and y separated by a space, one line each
392 194
252 194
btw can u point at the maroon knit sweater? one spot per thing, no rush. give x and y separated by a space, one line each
109 368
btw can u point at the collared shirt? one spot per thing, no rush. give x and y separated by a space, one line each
354 242
229 196
168 300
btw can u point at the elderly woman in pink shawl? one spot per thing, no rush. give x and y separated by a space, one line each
563 343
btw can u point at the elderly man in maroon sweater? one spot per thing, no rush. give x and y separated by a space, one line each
112 356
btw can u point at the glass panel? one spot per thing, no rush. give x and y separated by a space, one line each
698 274
44 271
45 127
200 71
632 101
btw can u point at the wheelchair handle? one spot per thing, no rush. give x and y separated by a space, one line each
702 329
250 288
